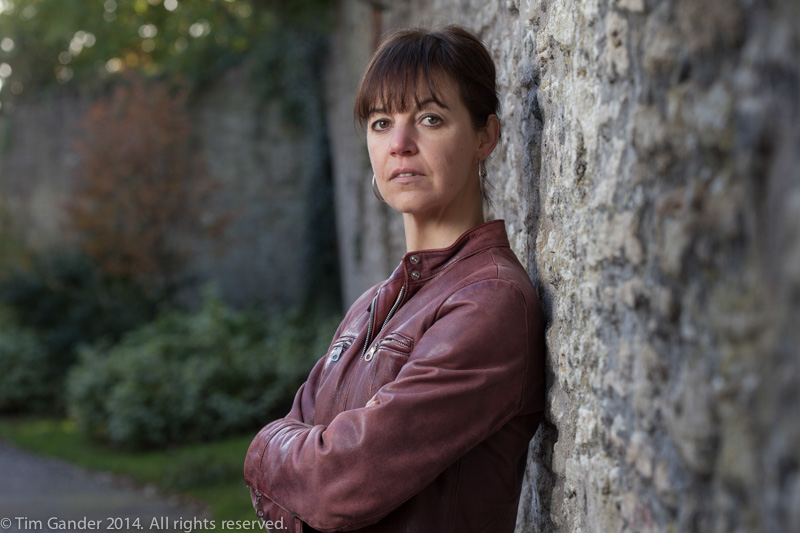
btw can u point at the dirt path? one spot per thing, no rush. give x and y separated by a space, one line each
41 494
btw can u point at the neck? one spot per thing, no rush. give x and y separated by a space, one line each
432 232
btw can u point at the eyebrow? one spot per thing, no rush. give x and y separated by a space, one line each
421 105
431 101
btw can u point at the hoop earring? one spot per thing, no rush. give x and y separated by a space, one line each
376 191
482 174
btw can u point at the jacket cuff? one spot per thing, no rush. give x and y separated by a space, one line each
253 475
276 519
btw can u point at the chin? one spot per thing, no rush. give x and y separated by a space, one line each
411 201
402 207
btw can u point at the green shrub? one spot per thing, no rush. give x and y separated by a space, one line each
194 376
64 300
25 385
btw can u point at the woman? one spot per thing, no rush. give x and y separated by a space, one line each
419 416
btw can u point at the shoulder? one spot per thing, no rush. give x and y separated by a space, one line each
493 273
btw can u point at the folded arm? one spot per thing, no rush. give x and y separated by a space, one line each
463 381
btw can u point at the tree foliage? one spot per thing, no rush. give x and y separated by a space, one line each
143 193
48 42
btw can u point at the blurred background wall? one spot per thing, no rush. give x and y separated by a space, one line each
266 175
648 176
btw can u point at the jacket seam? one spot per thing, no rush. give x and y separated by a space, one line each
270 435
458 259
527 336
521 393
352 370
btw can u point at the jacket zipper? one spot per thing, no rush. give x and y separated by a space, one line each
338 349
377 345
371 323
401 343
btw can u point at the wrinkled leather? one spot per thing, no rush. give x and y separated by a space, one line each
431 433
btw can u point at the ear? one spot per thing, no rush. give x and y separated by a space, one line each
488 137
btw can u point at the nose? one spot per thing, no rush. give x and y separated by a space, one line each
403 140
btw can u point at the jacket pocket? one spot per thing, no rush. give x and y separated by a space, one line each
390 356
335 353
338 348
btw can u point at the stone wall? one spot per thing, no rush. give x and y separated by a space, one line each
271 175
649 174
36 167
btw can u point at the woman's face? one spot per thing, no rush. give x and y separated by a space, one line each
426 158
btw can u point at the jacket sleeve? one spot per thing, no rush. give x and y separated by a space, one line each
463 381
303 405
302 410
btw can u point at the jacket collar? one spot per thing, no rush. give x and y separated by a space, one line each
418 267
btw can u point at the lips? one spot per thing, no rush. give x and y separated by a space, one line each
405 173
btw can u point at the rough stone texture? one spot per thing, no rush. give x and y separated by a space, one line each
649 175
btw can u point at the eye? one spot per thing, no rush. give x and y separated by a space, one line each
431 120
381 124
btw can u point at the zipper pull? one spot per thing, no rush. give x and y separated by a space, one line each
336 352
371 352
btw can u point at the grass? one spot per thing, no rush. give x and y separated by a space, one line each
209 473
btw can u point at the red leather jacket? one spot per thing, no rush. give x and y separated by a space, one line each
419 416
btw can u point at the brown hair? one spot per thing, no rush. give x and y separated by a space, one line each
414 58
